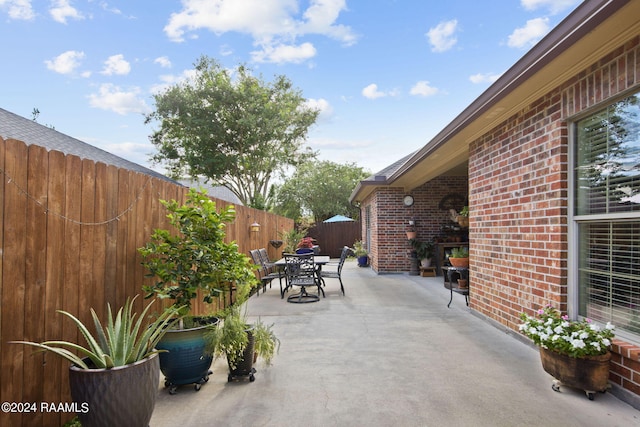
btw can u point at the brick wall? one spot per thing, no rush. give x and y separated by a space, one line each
518 202
390 249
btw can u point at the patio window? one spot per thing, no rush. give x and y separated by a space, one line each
607 214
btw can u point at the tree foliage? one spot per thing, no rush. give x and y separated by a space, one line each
320 189
232 128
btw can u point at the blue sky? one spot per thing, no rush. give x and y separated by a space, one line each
387 75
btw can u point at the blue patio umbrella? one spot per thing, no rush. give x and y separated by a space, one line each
338 218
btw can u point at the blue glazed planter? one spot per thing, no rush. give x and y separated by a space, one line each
185 361
120 396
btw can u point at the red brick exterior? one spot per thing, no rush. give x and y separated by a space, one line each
518 186
389 249
518 201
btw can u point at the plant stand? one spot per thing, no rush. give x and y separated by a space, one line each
590 373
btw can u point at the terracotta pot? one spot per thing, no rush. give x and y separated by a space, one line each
412 234
459 262
589 373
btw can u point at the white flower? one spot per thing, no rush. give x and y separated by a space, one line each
558 329
606 342
609 326
577 344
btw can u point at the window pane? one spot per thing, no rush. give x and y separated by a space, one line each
609 273
608 160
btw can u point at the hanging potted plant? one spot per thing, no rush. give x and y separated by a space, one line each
114 379
575 353
195 259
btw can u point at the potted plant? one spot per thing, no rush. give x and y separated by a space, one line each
194 260
114 378
459 257
360 253
575 353
242 343
424 251
291 238
463 217
412 232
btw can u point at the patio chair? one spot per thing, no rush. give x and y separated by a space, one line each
263 274
271 268
300 270
337 273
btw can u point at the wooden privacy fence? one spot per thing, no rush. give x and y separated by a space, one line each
333 236
69 238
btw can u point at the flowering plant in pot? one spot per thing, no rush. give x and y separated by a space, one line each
114 378
574 352
194 260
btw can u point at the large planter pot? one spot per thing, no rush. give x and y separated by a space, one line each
185 361
120 396
589 373
459 262
244 367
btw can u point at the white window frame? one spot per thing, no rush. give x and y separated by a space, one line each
574 220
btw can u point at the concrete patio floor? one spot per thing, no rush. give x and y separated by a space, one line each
389 353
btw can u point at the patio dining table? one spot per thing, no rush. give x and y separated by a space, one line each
318 261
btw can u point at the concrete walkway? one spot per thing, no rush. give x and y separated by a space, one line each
389 353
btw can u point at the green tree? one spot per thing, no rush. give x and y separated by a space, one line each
319 189
232 128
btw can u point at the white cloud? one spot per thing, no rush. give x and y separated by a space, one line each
116 64
284 53
326 111
274 24
112 98
554 6
372 92
484 78
529 35
62 10
163 61
422 88
171 79
65 63
442 36
18 9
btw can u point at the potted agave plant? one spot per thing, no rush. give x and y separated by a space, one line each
194 259
575 353
114 379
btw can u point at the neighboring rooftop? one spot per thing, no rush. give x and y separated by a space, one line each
13 126
219 192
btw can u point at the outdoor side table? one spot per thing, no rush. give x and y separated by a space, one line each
463 272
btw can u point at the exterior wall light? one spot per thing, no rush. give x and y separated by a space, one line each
255 227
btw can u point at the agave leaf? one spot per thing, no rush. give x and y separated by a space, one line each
94 346
63 352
